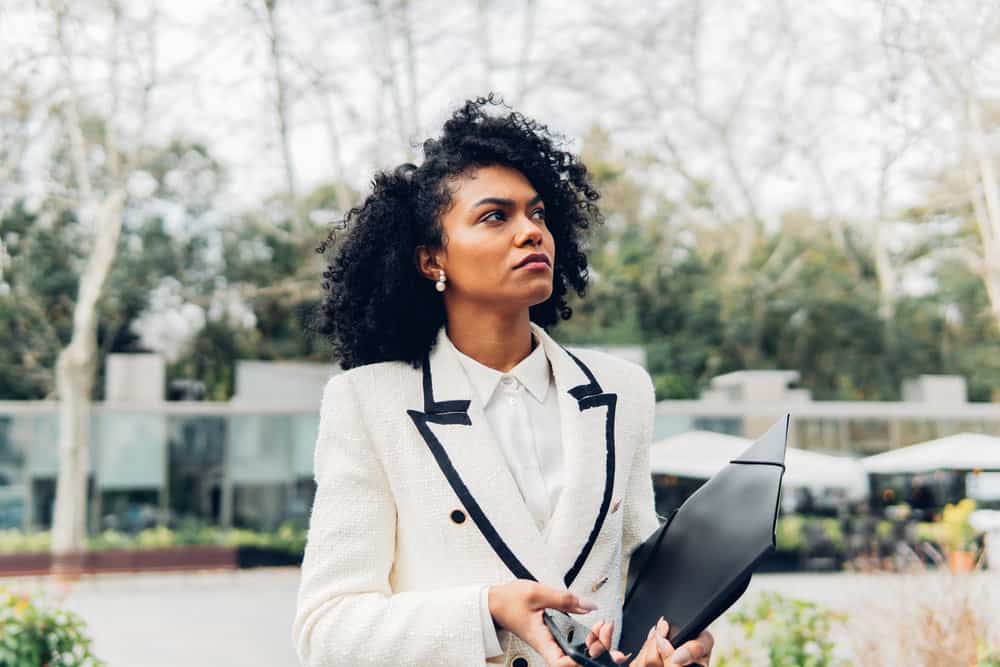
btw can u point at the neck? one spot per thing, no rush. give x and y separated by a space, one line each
497 340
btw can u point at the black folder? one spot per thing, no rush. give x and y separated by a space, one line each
699 562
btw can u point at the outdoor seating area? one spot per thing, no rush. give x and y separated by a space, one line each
924 506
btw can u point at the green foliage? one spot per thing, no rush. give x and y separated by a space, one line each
988 656
794 633
789 534
33 635
13 541
289 538
798 296
954 530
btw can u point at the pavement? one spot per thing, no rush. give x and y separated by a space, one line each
243 618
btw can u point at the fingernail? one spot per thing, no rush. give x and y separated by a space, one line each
681 656
662 626
589 605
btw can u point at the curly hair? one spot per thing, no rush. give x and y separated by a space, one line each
376 306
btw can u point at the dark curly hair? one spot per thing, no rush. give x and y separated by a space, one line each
376 306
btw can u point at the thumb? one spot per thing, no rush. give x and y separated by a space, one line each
552 598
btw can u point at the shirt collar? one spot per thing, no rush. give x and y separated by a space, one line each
532 371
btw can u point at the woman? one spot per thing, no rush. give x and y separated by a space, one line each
471 471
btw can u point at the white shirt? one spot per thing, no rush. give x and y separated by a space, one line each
522 408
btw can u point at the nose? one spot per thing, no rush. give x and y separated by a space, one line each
528 231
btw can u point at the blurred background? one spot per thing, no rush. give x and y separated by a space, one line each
802 211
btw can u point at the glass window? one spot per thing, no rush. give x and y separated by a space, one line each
14 439
868 436
195 464
130 450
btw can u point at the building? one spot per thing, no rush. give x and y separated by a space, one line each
248 462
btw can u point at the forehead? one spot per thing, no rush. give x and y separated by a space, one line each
491 181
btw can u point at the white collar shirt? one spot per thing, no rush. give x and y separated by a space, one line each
522 409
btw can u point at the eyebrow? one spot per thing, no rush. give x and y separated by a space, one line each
499 201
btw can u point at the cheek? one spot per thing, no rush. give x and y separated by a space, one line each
476 258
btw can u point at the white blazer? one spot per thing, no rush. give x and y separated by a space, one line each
416 509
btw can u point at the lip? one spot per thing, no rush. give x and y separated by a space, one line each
535 260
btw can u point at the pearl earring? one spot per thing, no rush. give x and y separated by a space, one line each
440 282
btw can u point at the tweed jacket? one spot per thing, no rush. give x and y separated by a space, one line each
416 509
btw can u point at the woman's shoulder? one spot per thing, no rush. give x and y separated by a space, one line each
367 377
612 369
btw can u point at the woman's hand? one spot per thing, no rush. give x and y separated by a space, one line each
659 652
517 607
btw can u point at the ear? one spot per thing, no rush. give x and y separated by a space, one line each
428 262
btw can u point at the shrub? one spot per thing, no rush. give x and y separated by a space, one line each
789 534
954 531
795 633
31 635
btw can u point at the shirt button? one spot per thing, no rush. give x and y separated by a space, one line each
507 380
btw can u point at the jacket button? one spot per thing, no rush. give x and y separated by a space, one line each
614 505
598 585
519 662
458 516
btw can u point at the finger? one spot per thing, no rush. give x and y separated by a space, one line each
565 661
618 656
552 598
664 649
690 652
595 646
550 651
707 640
606 634
592 635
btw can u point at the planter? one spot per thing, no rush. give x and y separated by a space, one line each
22 565
780 561
961 561
249 556
120 560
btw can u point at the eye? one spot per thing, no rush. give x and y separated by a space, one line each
493 216
539 212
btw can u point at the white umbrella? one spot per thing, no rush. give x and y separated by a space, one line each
963 451
700 454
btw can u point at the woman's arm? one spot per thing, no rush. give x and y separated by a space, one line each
346 613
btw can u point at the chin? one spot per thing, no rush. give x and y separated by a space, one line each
540 296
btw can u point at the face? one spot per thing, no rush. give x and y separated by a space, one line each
495 222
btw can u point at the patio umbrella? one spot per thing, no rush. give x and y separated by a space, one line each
963 451
701 454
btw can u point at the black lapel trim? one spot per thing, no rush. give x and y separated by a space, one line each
456 412
593 388
442 412
611 401
588 396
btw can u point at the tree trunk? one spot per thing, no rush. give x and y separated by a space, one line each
281 98
75 372
986 205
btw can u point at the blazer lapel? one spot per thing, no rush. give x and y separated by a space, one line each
453 425
587 414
